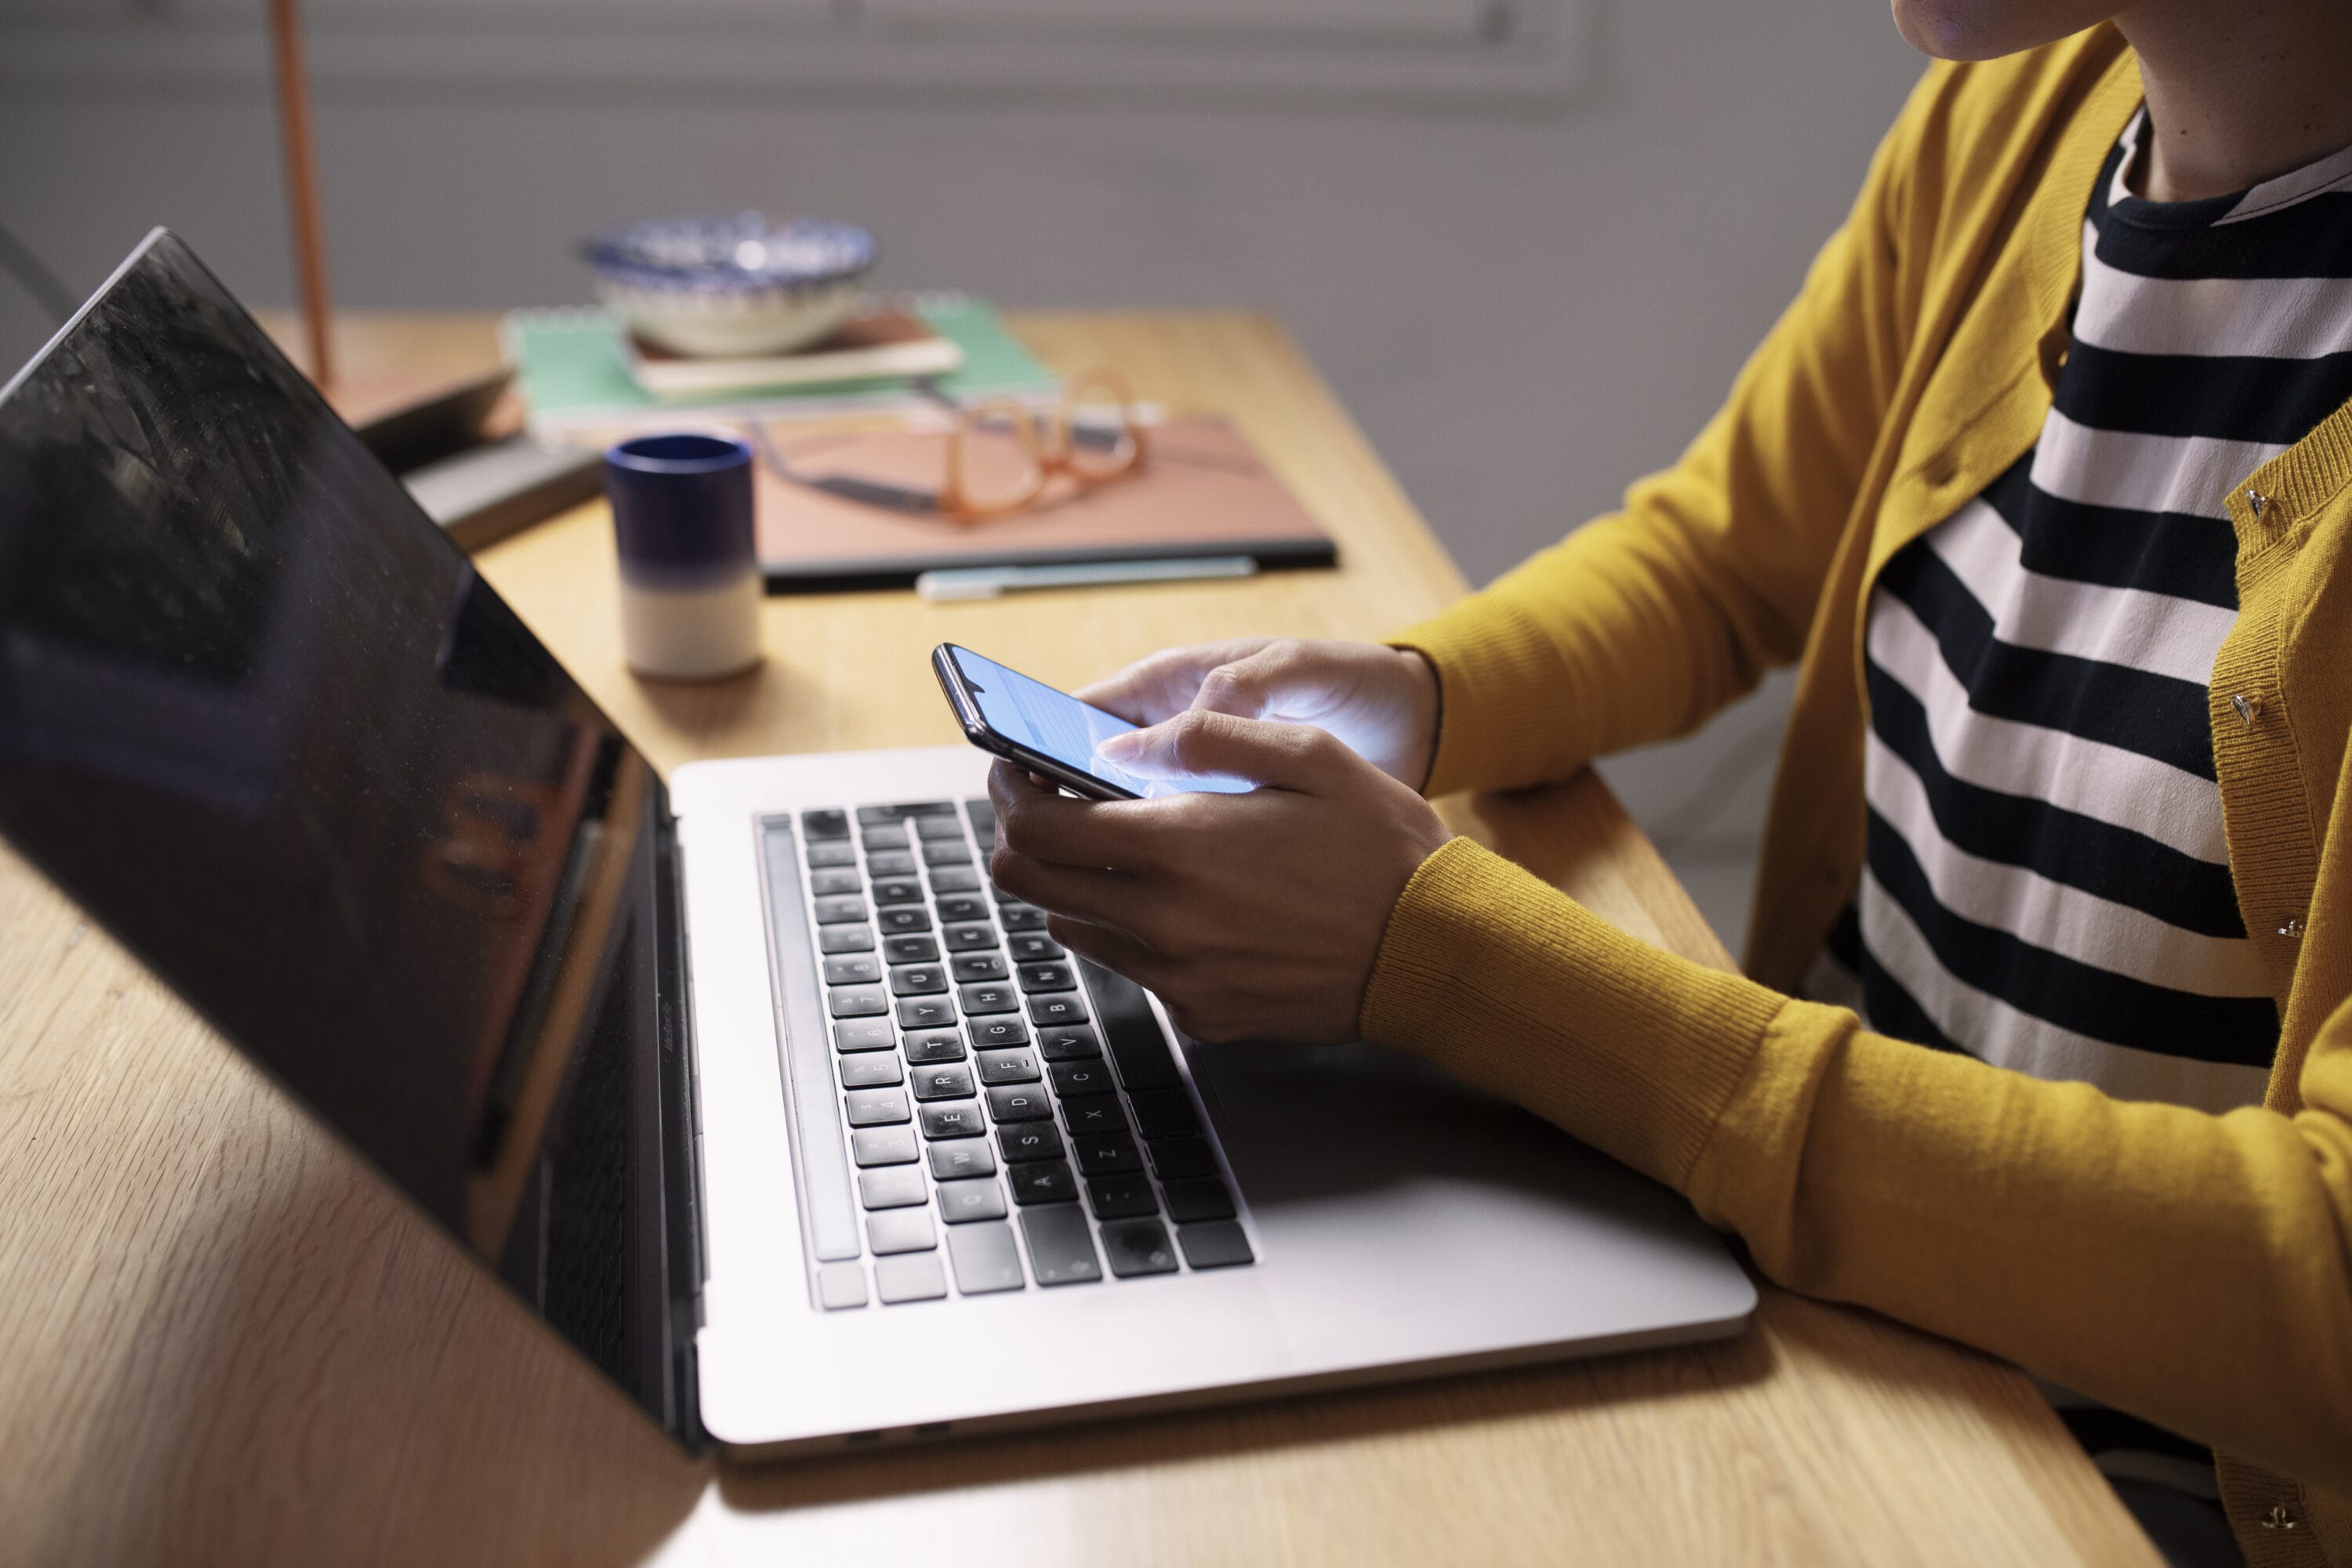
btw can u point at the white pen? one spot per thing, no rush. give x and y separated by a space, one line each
988 582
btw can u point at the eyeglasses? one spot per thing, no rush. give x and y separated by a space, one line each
1002 459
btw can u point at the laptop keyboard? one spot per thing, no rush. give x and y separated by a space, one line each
976 1110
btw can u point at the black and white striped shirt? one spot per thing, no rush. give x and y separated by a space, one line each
2047 885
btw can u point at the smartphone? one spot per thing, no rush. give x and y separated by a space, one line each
1009 715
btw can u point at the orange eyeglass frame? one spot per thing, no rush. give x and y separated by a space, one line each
1050 453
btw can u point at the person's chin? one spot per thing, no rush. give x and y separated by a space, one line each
1988 29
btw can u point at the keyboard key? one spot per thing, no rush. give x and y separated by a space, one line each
962 1121
1060 1248
876 1107
1003 1029
1175 1158
852 969
1063 1007
1076 1081
954 879
864 1035
1096 1117
1029 1141
1106 1155
934 1046
874 1069
960 1203
988 996
967 1157
1164 1113
1001 896
1137 1046
898 890
1217 1245
979 938
856 1001
916 1277
941 827
821 824
909 950
839 911
906 809
858 937
840 1286
1008 1066
1120 1197
1137 1246
1042 1182
900 1230
878 815
960 907
904 919
926 1012
871 1146
985 1258
1198 1197
822 857
944 1083
890 863
882 840
893 1187
1036 947
983 814
833 884
972 966
1047 978
1018 1102
1022 917
1070 1042
917 980
943 853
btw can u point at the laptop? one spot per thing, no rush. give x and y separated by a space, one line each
751 1085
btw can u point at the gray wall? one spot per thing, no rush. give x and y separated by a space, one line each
1524 310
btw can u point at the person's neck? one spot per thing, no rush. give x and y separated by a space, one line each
2236 94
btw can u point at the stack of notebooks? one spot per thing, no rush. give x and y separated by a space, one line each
581 369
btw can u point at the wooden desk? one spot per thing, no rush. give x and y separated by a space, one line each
223 1340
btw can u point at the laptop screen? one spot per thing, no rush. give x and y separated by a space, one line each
260 719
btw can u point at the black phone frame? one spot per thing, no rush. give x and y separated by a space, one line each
978 730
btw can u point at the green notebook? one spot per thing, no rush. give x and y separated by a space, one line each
570 367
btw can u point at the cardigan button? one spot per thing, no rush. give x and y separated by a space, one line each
2279 1518
2291 928
2249 708
2256 501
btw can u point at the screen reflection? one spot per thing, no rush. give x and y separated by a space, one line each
259 718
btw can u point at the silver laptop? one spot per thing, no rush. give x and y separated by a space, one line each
754 1088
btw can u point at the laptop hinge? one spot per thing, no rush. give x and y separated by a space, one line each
686 1261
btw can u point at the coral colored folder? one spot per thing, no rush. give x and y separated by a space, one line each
1202 490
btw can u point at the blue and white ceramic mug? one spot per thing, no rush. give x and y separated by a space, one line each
689 573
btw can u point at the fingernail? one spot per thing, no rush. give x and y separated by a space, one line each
1118 748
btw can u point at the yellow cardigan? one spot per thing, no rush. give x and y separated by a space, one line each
2195 1269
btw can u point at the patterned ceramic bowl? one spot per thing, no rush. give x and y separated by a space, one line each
727 286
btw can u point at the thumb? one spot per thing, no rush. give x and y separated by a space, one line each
1203 745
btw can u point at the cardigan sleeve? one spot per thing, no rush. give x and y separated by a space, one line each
1643 623
2193 1268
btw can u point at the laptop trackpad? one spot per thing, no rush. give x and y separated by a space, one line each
1307 1124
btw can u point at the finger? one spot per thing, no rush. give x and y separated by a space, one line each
1114 949
1105 898
1199 744
1046 824
1161 686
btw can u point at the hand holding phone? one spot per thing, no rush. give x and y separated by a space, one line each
1051 732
